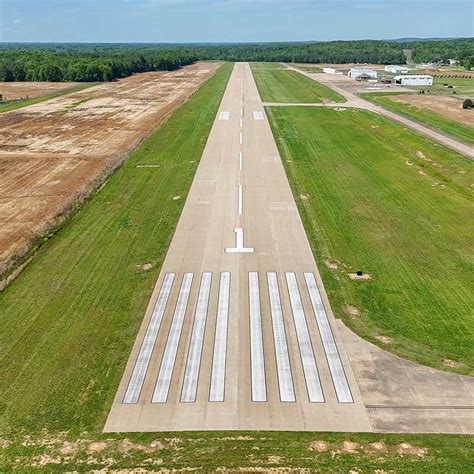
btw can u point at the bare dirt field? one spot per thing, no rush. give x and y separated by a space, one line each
23 90
448 107
55 152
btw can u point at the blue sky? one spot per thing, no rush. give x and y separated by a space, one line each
231 20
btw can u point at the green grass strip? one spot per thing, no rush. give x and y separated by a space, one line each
69 320
431 119
379 198
291 87
18 104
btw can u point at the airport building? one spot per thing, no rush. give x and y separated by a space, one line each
364 73
396 69
414 80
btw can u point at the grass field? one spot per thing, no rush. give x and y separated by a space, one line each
463 87
379 198
431 119
290 86
18 104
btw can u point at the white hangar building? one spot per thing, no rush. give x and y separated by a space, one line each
414 80
396 69
362 73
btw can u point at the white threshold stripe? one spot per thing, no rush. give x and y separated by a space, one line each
338 375
191 374
137 378
257 357
160 394
313 384
217 388
240 200
285 379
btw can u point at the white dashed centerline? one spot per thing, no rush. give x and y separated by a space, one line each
240 200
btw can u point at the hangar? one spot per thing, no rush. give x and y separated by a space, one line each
414 80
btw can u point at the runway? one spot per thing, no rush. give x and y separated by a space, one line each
239 333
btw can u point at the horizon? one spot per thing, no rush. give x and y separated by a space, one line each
230 21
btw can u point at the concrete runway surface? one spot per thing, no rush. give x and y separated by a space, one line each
239 333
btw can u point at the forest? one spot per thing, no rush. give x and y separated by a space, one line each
107 62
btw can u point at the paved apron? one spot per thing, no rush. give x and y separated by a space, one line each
239 333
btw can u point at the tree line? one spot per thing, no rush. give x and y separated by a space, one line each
107 62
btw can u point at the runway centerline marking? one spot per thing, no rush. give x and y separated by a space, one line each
338 375
257 356
241 161
241 138
143 360
217 385
285 379
239 243
313 384
240 200
160 394
191 375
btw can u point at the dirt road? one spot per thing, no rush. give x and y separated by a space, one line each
55 152
334 82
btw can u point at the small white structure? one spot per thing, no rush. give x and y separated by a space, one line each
362 73
414 80
453 62
396 69
329 70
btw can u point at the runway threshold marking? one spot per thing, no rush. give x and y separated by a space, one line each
191 374
313 384
239 243
160 394
336 368
137 378
257 357
285 379
217 385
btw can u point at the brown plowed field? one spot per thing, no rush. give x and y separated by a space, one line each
449 107
55 152
22 90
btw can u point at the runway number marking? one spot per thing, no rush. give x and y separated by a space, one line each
239 243
160 394
338 375
191 375
141 365
257 357
217 387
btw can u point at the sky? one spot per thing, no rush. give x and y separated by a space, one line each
182 21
